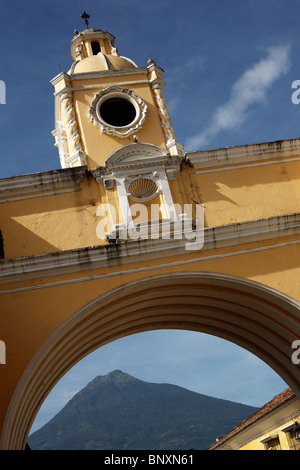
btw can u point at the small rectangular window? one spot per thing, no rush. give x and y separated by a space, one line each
273 444
95 47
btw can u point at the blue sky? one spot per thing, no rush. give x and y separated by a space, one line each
229 68
221 58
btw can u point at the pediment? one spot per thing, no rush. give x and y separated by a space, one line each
134 154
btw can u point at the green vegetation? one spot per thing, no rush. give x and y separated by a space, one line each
118 411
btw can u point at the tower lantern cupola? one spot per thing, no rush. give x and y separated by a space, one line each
98 47
90 42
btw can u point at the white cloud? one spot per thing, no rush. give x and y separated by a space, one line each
252 87
195 64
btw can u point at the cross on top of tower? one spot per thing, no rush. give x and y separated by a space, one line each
85 17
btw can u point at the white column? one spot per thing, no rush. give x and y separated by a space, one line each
164 184
123 200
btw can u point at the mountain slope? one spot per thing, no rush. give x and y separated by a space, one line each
118 411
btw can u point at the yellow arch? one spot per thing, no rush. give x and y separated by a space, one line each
251 315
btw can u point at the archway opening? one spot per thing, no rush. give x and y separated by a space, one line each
254 317
195 361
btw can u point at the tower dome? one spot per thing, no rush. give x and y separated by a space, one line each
93 50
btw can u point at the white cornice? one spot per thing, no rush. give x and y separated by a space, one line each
44 181
108 73
59 77
153 67
70 90
238 156
236 235
139 166
101 74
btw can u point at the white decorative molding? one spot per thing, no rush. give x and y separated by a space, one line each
103 57
58 78
171 174
175 147
101 74
10 187
138 151
157 85
122 93
141 155
123 200
57 192
129 60
77 158
113 49
166 192
74 64
79 51
238 236
138 158
245 155
153 67
142 188
109 183
61 142
102 86
76 154
144 161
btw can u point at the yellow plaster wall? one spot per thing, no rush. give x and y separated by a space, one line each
242 194
39 310
68 221
51 223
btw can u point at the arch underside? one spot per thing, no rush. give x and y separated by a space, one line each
253 316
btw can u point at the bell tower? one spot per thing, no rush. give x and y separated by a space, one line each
111 116
106 102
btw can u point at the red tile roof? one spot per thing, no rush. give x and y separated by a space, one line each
267 408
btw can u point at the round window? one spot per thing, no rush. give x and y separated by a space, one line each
117 112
